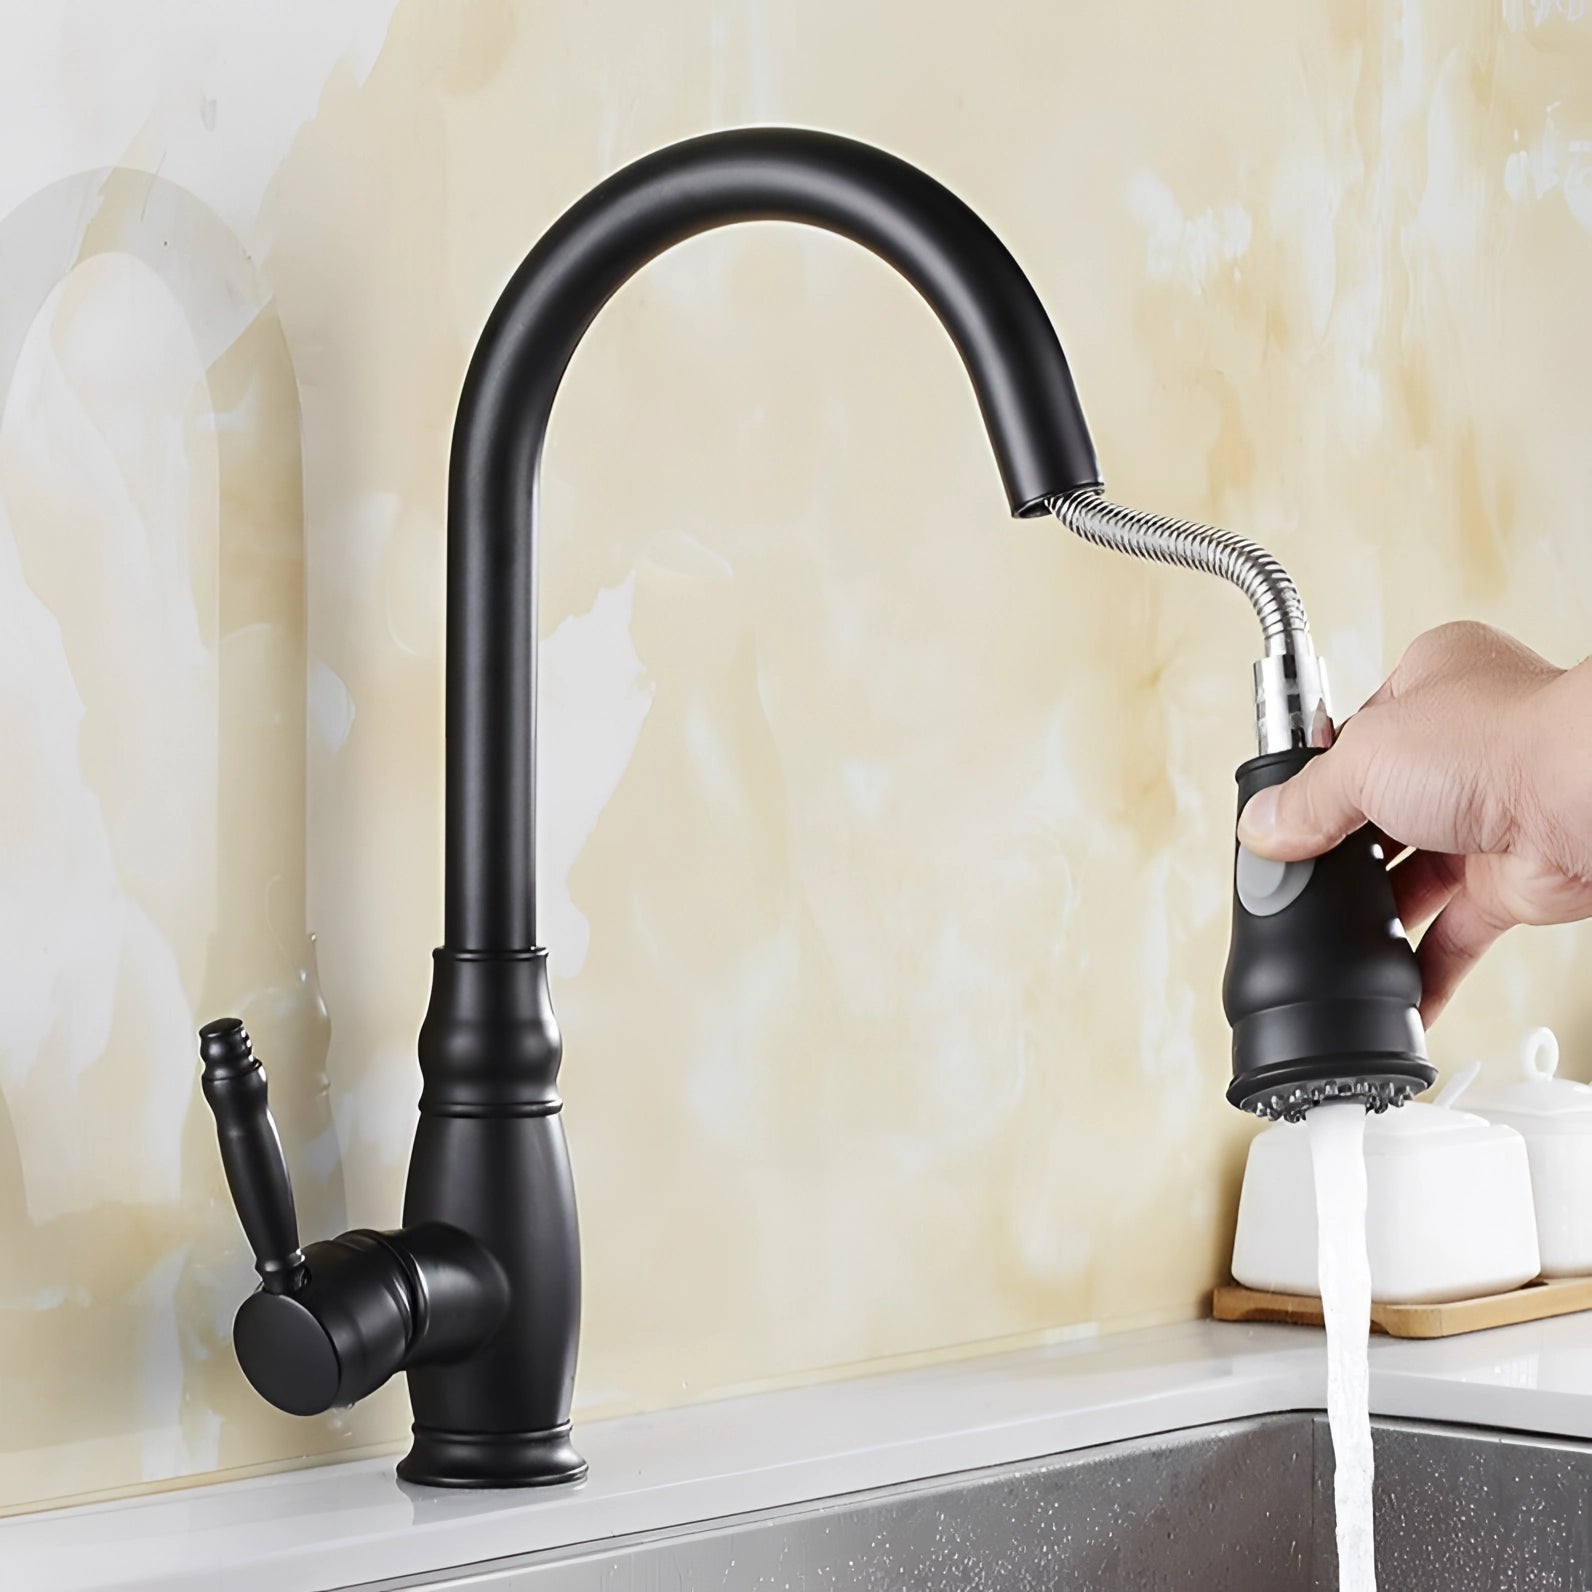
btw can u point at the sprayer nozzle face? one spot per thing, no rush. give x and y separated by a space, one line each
1288 1101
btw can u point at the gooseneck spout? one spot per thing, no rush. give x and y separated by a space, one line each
949 255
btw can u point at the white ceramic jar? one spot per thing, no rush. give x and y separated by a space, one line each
1554 1116
1448 1208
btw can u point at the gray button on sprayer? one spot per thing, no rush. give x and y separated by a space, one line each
1266 886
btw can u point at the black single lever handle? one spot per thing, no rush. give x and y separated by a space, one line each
328 1326
251 1153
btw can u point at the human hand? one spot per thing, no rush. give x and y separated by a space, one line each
1475 753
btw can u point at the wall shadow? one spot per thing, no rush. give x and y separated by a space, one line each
94 1394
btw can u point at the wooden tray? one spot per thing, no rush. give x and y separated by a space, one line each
1535 1302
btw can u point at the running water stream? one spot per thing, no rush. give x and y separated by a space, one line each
1337 1153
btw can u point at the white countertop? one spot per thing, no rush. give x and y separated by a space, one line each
337 1525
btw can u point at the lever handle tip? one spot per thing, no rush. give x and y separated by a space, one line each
234 1086
224 1048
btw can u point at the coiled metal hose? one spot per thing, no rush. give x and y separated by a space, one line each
1291 703
1168 540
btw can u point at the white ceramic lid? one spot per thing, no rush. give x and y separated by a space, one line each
1402 1130
1538 1095
1411 1128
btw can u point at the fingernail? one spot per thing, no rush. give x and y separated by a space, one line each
1257 824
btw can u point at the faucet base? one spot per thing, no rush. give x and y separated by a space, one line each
490 1161
441 1458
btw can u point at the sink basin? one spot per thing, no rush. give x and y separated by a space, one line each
1240 1504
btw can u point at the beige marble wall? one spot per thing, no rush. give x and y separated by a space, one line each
884 840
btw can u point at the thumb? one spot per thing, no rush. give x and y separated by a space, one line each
1308 814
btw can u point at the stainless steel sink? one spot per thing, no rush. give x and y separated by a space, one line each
1237 1506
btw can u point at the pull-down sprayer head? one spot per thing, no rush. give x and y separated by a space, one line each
1322 988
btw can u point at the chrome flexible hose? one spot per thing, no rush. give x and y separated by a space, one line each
1291 704
1168 540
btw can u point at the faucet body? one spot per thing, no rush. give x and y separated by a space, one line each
477 1296
489 1155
